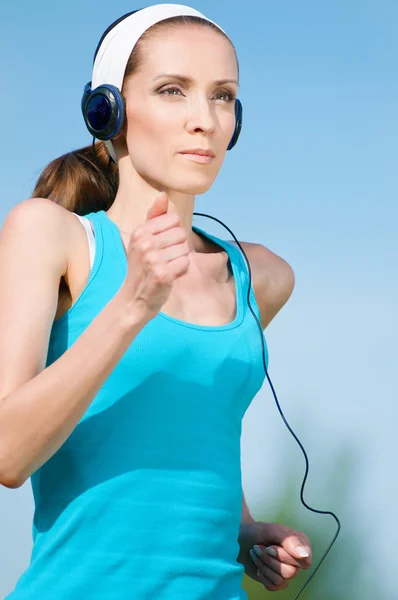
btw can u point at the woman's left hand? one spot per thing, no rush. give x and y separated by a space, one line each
274 572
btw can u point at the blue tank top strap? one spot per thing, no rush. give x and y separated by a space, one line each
110 238
232 251
245 270
236 258
82 304
111 231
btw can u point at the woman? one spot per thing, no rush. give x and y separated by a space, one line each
139 353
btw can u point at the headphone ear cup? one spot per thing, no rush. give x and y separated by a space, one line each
238 124
103 110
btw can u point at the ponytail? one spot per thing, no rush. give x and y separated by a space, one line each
80 182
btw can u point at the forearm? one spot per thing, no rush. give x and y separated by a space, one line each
37 418
246 516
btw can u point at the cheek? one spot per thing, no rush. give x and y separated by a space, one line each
147 135
230 123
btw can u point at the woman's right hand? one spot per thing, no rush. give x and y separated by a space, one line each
158 253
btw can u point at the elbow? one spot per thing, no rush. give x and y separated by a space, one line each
9 480
10 483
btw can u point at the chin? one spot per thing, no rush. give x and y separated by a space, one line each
193 184
193 188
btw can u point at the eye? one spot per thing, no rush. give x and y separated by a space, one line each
229 96
171 91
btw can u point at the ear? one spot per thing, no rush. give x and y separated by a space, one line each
120 144
123 132
121 136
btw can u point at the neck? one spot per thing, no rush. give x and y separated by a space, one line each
135 197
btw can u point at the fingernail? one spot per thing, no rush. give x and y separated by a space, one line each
253 555
258 551
271 551
301 551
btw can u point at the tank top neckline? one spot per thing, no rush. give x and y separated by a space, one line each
231 251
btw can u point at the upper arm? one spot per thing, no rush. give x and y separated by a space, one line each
273 281
33 258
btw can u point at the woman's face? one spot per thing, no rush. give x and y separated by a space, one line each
166 115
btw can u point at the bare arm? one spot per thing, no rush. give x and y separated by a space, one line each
246 516
40 407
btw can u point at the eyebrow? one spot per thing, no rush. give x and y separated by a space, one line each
186 79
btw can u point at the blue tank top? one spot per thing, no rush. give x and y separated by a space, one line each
144 498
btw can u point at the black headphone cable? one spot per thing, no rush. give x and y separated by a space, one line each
323 512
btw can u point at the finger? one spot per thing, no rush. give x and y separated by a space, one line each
286 571
274 578
296 548
159 206
271 587
276 554
285 557
161 224
291 540
277 572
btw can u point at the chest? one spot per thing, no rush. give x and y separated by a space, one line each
205 295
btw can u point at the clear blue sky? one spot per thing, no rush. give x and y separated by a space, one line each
313 178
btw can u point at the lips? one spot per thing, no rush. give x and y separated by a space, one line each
199 151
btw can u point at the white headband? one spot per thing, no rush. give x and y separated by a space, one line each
114 52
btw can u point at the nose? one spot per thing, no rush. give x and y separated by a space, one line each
201 115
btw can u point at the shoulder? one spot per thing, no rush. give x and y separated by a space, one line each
41 211
273 280
45 225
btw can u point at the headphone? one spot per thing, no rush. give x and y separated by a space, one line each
104 108
104 114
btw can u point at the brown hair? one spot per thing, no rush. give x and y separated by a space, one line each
81 182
